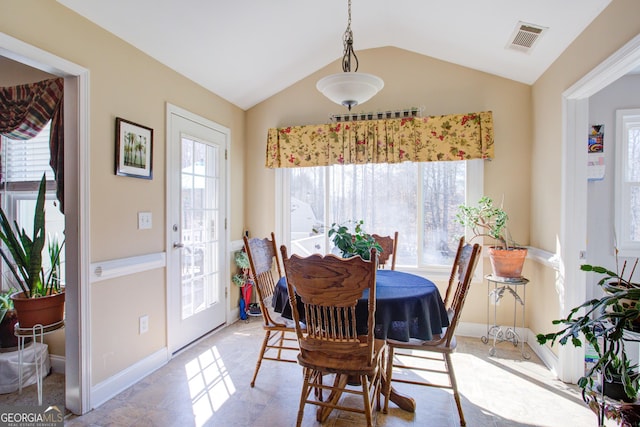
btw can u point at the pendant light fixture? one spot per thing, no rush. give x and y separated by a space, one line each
349 88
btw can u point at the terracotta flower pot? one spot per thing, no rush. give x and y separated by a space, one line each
507 262
44 311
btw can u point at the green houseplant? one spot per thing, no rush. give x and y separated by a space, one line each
487 219
350 244
40 299
8 320
604 323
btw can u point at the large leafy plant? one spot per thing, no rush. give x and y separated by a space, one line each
23 253
486 219
602 322
353 243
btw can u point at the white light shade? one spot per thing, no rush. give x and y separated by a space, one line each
350 88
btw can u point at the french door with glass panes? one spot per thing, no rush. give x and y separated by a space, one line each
197 232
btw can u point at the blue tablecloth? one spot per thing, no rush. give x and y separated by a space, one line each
407 306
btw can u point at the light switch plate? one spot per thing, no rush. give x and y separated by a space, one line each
144 220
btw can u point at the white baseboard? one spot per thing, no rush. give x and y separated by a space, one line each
478 330
473 330
117 383
57 364
545 354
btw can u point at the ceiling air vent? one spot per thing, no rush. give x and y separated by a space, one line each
525 36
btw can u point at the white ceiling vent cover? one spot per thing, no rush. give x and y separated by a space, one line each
525 36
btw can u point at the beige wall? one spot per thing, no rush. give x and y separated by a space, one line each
125 83
615 26
410 80
13 73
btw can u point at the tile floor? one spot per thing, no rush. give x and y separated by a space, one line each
208 385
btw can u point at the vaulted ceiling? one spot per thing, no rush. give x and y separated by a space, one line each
248 50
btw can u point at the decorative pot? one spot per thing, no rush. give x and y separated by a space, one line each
614 389
46 310
507 262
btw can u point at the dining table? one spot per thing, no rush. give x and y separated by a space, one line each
408 306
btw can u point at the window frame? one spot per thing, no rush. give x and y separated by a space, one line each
13 191
474 189
625 119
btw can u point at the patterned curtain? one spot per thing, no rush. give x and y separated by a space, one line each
26 109
415 139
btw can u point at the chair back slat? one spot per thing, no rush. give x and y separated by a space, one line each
328 287
454 278
389 247
265 270
468 259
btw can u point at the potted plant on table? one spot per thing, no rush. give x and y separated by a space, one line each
40 299
350 244
486 219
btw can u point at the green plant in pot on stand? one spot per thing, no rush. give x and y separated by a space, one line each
486 219
607 324
40 299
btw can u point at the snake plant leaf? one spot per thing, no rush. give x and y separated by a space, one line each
25 262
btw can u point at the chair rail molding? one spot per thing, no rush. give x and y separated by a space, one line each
111 269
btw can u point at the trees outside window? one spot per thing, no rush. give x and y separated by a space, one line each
419 200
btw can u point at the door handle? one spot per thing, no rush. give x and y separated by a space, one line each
178 245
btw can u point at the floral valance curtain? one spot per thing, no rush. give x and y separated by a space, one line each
26 109
416 139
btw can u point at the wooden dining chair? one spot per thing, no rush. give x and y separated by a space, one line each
279 333
438 349
389 247
324 292
454 276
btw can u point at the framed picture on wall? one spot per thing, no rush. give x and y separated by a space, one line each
134 149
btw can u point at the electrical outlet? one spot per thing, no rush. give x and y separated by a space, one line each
144 324
144 220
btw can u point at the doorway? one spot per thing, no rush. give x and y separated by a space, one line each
574 183
196 182
77 236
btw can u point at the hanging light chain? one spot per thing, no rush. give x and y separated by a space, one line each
348 47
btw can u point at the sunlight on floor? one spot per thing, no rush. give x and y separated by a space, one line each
481 379
529 378
210 384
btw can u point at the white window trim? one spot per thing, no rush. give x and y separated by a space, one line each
474 191
625 247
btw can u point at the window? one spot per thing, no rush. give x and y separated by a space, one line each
26 161
419 200
23 163
627 187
